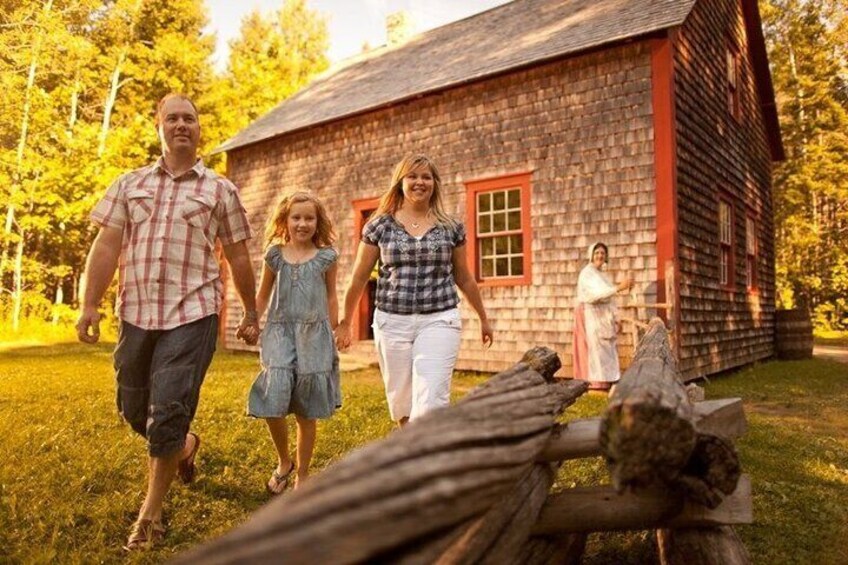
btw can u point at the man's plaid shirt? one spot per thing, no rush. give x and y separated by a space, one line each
168 272
416 274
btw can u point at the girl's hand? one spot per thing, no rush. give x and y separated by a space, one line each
249 334
487 333
248 328
342 334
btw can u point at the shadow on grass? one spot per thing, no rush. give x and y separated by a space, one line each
54 350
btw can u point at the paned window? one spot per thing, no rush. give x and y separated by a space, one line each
751 253
725 226
734 79
499 218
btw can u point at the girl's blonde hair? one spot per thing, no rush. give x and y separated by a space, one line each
277 231
392 199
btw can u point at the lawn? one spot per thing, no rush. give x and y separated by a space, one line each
72 475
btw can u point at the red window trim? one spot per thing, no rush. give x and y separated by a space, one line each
731 261
474 187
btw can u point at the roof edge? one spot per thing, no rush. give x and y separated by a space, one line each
762 73
659 32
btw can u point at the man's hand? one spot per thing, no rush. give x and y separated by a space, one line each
89 318
248 328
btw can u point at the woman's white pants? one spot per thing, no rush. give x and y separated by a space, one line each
417 354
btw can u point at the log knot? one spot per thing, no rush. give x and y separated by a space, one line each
543 360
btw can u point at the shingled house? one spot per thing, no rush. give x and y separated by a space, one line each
647 124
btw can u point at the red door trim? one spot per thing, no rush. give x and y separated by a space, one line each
665 168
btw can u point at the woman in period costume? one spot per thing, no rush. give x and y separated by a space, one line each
595 326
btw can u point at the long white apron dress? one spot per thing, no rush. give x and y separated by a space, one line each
595 296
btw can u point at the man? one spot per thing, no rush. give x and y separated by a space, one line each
161 222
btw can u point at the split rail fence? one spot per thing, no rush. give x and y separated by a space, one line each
471 483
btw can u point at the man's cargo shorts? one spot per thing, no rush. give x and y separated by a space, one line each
159 373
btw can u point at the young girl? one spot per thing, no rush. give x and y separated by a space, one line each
300 366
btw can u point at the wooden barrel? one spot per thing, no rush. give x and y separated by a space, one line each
793 334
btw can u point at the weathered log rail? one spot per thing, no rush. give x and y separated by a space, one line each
471 483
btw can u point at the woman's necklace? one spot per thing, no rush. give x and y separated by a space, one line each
416 225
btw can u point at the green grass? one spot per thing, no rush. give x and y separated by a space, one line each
72 475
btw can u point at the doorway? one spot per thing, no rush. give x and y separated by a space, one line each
362 330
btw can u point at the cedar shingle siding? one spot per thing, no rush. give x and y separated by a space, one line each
582 126
567 99
718 156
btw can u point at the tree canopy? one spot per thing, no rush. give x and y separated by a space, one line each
79 82
807 42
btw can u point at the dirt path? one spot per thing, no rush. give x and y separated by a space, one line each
831 352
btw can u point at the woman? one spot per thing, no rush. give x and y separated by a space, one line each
417 323
595 326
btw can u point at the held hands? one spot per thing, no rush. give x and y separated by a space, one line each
343 335
248 328
625 285
89 318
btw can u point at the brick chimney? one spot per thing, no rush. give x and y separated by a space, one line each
399 28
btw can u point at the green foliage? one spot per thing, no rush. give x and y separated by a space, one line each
60 434
274 56
807 44
79 82
830 337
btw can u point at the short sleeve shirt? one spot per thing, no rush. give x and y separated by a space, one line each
416 273
168 271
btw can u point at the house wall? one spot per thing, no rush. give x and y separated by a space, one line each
718 155
583 126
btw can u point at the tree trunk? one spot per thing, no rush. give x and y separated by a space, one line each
116 83
110 102
60 298
22 141
72 112
17 294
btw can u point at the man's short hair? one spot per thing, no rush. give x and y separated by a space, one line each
170 96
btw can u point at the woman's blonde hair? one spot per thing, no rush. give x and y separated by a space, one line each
392 199
277 230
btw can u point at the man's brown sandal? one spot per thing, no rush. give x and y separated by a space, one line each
145 534
279 479
186 468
